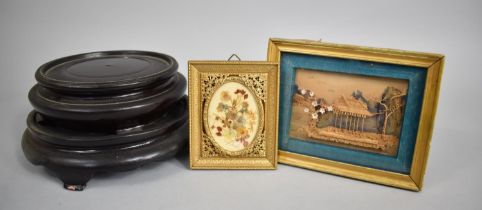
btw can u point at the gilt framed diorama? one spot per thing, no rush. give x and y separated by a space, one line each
359 112
232 105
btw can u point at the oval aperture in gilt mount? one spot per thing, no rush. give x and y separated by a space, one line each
233 116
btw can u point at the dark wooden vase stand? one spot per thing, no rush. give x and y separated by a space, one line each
105 112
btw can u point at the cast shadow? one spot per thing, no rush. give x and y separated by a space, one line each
183 157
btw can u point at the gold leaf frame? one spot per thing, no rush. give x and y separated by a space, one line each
262 80
433 63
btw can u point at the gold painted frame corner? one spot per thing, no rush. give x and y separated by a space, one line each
433 63
260 76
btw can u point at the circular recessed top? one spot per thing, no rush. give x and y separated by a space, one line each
109 106
106 71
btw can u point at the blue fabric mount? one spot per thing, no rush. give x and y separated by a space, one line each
416 85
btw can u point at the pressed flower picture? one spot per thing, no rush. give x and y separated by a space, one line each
233 116
230 103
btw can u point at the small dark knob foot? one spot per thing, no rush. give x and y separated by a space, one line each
74 187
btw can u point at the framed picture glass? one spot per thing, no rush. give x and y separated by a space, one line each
231 107
359 112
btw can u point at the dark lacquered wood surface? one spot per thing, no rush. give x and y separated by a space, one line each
107 71
105 112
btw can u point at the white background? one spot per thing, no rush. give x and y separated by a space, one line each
35 32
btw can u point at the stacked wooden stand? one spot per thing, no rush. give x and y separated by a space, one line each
105 112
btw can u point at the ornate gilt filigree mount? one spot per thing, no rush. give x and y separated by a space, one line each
230 105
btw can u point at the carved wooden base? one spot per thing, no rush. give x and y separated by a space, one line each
105 112
76 166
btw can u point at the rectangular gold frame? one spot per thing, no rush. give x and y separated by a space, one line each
433 63
268 157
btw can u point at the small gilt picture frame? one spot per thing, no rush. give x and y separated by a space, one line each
231 105
360 112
